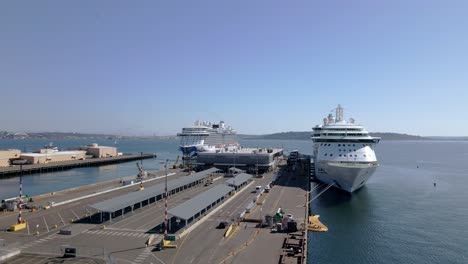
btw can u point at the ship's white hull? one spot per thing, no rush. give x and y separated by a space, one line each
346 176
207 137
343 152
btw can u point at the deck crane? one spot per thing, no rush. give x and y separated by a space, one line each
174 166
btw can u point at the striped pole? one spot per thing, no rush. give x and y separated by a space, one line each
20 194
165 203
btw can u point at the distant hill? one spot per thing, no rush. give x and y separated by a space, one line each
397 136
306 136
73 135
278 136
448 138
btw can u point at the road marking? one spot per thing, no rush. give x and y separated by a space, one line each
158 259
113 233
143 255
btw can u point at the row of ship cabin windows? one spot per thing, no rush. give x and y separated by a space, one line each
344 145
344 155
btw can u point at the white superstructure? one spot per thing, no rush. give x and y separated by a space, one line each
207 136
343 152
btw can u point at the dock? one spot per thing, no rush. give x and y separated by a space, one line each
213 217
65 165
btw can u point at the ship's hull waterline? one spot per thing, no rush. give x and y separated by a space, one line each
348 177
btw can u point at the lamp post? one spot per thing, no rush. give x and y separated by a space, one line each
20 202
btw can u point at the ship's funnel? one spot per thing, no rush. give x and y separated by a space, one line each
331 119
339 113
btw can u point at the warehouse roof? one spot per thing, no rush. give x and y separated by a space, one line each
56 153
195 205
129 199
239 179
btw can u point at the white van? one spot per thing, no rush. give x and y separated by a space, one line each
258 189
267 188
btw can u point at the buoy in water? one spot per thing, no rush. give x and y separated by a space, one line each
435 184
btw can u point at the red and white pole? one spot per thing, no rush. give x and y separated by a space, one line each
165 204
165 217
20 195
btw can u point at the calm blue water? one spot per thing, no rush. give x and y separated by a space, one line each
398 217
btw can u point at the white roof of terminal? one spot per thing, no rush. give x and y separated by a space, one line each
57 153
195 205
129 199
239 179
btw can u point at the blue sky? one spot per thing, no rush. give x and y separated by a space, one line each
144 67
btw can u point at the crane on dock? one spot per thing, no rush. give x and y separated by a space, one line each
174 166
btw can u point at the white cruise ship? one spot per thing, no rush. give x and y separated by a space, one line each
207 136
343 152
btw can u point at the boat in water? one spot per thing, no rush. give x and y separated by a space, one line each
343 152
206 136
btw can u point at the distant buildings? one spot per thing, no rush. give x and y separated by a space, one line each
51 155
7 135
100 151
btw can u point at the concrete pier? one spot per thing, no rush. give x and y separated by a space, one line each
123 237
58 166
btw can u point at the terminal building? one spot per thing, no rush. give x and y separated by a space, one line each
248 159
51 155
7 155
101 151
47 155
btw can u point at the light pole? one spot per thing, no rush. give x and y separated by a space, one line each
20 202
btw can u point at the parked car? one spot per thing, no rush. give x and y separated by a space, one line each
222 225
